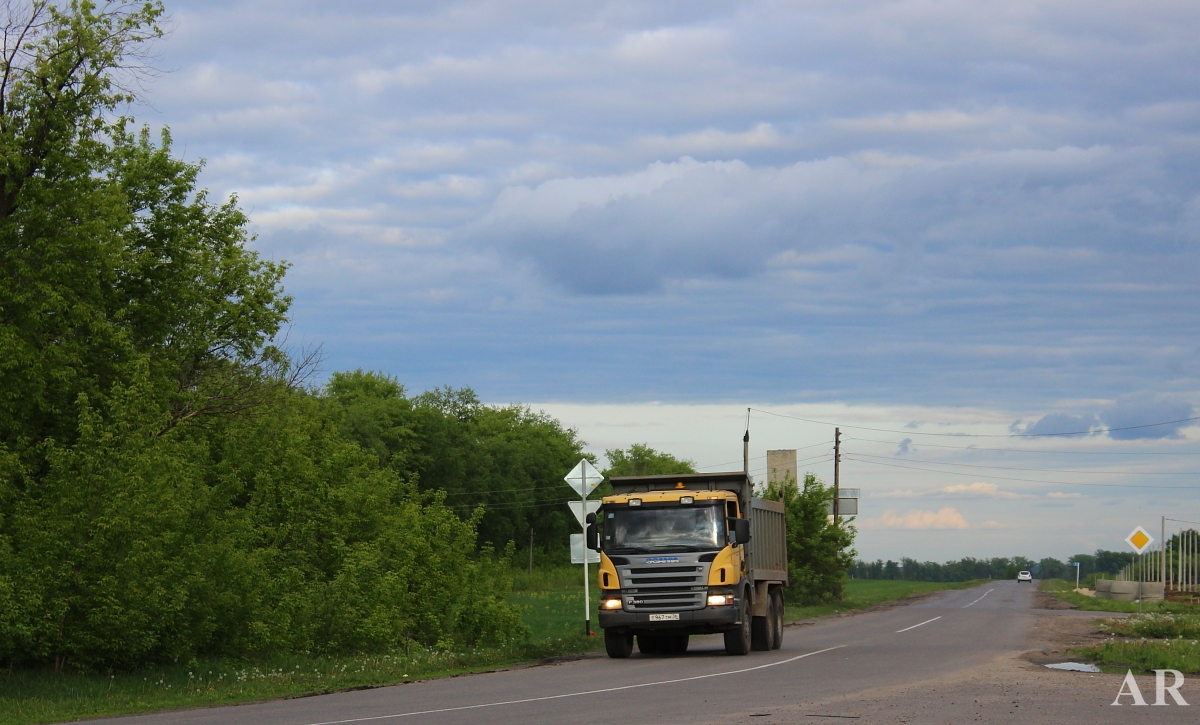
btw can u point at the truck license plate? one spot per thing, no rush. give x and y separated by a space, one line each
674 616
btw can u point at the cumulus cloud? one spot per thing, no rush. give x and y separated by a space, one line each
980 489
1062 495
944 518
1145 409
688 219
1137 416
977 490
1062 424
1008 209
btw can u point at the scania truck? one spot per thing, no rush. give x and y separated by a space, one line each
689 554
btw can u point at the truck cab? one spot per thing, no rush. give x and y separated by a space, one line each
677 558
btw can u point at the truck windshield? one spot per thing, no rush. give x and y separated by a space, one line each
644 530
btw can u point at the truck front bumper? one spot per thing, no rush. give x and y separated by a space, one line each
696 621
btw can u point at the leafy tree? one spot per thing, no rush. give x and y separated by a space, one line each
113 262
642 460
1051 568
819 553
510 460
166 490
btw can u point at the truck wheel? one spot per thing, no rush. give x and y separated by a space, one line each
649 644
760 632
737 641
618 646
777 600
679 644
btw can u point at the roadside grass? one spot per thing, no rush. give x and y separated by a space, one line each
1065 591
1164 636
551 606
863 593
41 696
553 578
1155 626
1144 655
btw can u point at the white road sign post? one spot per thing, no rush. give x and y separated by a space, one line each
1140 541
584 478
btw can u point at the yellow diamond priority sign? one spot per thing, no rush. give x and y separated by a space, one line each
1139 540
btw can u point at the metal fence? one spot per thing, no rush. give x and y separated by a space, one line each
1175 563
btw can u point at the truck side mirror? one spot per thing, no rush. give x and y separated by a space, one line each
593 538
739 530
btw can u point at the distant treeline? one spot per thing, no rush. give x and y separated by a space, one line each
967 568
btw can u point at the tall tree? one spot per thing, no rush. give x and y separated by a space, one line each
111 260
819 553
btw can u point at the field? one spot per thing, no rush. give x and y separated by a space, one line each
551 603
863 593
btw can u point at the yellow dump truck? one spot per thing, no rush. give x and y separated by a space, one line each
689 554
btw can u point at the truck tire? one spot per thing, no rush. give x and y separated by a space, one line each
737 641
649 644
678 644
777 600
760 632
618 646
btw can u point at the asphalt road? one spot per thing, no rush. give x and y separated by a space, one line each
949 658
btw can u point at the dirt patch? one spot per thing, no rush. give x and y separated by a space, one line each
1043 600
1054 637
1006 690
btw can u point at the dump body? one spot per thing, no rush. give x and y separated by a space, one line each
768 541
670 562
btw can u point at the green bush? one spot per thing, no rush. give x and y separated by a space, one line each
273 534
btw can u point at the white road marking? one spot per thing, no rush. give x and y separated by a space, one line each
579 694
927 621
984 595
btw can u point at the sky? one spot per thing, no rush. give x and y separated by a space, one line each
919 217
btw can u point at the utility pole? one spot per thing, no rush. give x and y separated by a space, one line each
746 448
587 569
531 551
1162 543
837 459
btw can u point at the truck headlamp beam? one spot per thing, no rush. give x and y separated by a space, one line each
719 598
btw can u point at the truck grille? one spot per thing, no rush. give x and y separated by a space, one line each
664 588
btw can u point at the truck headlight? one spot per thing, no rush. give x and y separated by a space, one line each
720 599
610 602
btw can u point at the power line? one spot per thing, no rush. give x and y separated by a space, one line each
1044 470
823 458
727 463
1036 450
982 435
755 458
1024 480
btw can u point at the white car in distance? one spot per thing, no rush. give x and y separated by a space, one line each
1024 577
